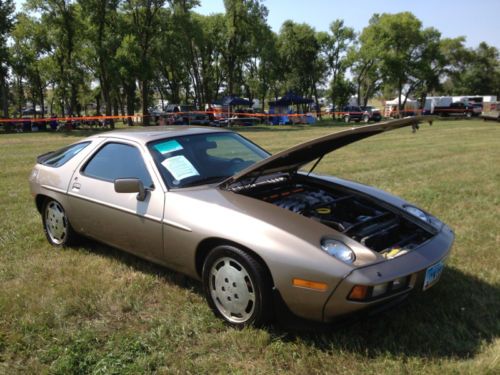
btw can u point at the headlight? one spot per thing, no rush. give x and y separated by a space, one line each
436 223
417 213
338 250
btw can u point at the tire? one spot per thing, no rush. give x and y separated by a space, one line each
366 119
56 225
347 119
237 287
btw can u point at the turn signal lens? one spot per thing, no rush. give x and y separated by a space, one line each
301 283
359 292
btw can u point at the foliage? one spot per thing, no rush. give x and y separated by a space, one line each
124 56
6 23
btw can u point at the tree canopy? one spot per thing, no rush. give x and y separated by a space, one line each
127 56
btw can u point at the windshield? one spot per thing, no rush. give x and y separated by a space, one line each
203 158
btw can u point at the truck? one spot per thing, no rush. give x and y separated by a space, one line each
455 109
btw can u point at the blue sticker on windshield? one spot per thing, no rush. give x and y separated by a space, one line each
168 146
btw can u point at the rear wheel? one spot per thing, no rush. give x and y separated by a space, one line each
56 224
237 287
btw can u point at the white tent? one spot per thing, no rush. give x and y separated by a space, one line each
409 102
391 106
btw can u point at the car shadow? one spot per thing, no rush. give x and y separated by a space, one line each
451 320
139 264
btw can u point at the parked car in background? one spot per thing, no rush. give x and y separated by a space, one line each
371 113
454 109
258 230
352 113
477 108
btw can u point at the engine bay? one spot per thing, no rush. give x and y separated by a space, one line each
364 220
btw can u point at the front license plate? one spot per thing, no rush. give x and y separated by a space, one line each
432 274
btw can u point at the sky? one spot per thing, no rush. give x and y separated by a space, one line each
477 20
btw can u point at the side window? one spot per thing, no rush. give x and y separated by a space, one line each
117 160
60 157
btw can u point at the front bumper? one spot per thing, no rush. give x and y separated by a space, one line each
413 265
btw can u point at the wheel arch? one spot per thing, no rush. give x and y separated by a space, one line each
208 244
39 201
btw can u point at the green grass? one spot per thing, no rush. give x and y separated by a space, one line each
93 309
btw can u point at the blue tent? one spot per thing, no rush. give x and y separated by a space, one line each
290 99
229 101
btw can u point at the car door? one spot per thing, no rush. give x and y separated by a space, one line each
118 219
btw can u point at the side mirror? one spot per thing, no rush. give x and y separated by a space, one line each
131 185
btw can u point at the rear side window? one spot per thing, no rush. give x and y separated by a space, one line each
57 158
118 160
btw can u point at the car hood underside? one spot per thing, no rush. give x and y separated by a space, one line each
297 156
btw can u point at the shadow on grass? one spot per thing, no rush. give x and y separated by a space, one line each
452 319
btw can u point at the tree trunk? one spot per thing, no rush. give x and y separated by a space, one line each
145 102
400 89
130 93
318 112
4 92
20 99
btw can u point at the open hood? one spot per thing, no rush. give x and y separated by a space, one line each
297 156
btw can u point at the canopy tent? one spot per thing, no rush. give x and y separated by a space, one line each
290 99
281 108
391 107
230 101
395 101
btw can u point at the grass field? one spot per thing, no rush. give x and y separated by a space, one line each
93 309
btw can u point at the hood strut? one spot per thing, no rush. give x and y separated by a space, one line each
315 164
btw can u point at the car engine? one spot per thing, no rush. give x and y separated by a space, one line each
364 220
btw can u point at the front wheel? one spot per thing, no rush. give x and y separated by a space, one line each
237 287
56 224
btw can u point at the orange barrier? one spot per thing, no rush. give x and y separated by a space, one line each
65 119
218 114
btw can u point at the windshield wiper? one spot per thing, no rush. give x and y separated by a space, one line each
206 180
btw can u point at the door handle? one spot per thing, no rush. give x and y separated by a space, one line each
76 186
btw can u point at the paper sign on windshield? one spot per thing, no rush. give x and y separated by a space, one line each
179 167
168 146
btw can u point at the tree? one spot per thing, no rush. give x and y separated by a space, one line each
6 23
335 46
243 20
30 61
483 73
143 24
405 51
470 71
299 51
100 18
341 91
61 19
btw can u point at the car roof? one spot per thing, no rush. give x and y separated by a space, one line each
145 135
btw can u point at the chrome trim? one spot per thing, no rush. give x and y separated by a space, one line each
115 207
177 225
